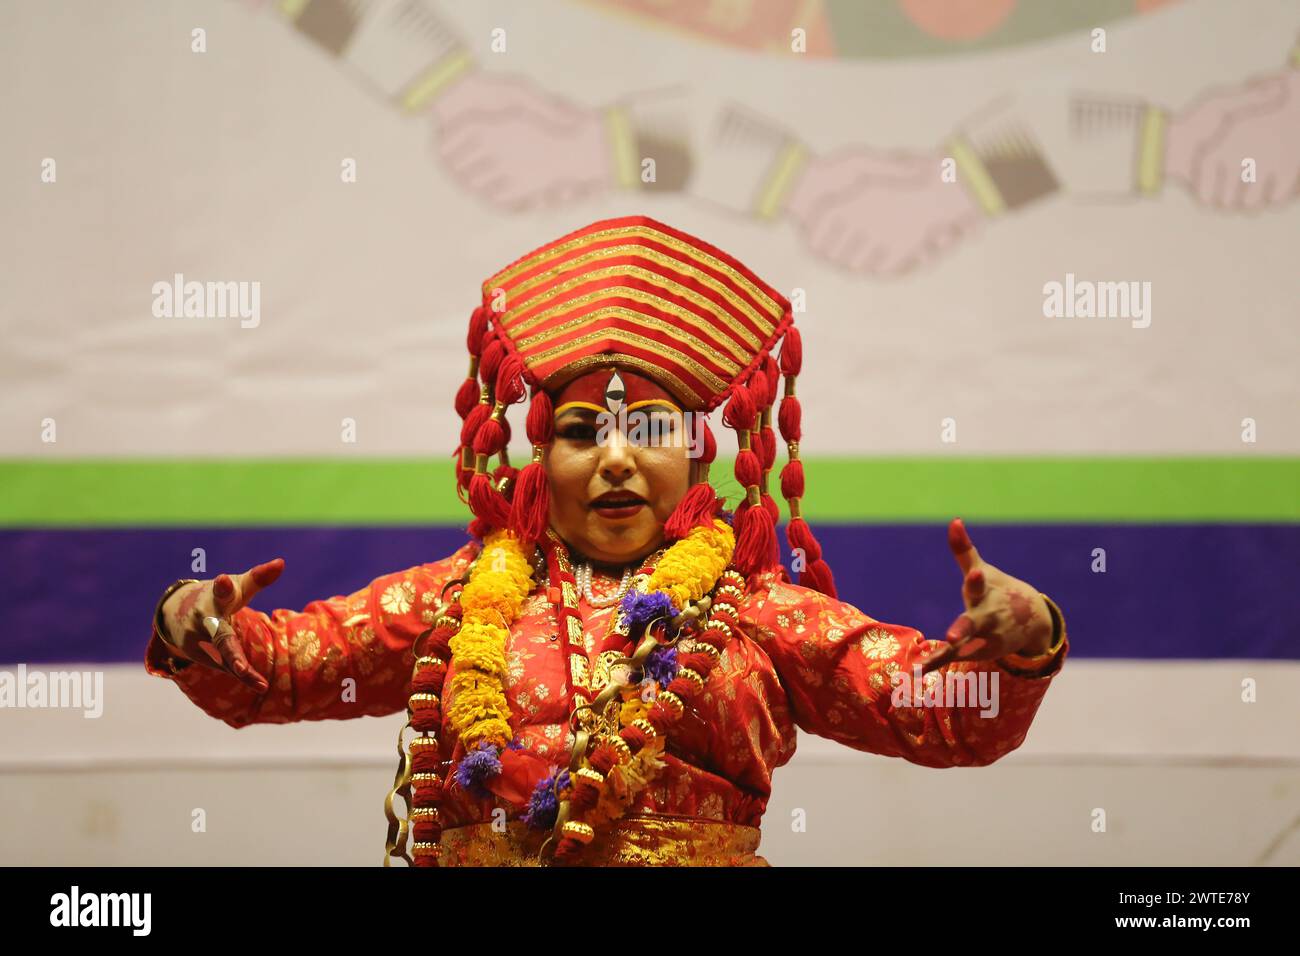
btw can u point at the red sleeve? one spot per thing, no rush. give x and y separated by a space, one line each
345 656
849 678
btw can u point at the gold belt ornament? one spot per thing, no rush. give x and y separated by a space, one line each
653 839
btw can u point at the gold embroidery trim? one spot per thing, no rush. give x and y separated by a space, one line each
636 232
577 263
646 839
690 321
763 324
668 285
630 338
639 318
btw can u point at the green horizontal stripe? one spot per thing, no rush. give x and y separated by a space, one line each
132 492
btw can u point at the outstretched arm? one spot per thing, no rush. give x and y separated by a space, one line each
863 682
345 656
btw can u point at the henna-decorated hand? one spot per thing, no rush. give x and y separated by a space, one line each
1003 615
221 597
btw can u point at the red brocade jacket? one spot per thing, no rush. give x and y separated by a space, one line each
800 659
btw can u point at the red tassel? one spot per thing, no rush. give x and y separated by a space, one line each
493 353
738 516
438 645
473 422
585 794
427 831
426 761
491 438
432 670
773 509
468 393
478 326
425 721
739 413
530 508
466 396
747 469
791 352
757 388
801 537
540 424
699 662
817 573
710 450
634 737
765 445
792 479
755 540
683 688
488 503
696 509
479 528
426 682
510 380
713 637
724 615
789 418
818 577
603 758
661 717
772 375
426 794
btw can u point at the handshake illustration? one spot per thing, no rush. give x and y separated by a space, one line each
1239 148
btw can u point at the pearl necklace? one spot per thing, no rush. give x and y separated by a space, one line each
582 577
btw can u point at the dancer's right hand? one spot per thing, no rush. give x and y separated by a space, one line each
221 597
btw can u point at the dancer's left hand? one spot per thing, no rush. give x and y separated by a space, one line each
1003 615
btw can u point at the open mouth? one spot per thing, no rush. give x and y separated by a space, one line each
618 504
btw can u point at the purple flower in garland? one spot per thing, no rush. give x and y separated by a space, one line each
661 665
641 608
543 804
477 767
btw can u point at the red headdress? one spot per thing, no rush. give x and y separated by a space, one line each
669 311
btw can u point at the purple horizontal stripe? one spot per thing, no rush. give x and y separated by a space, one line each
1169 591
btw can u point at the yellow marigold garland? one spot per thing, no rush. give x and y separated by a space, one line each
491 600
689 569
